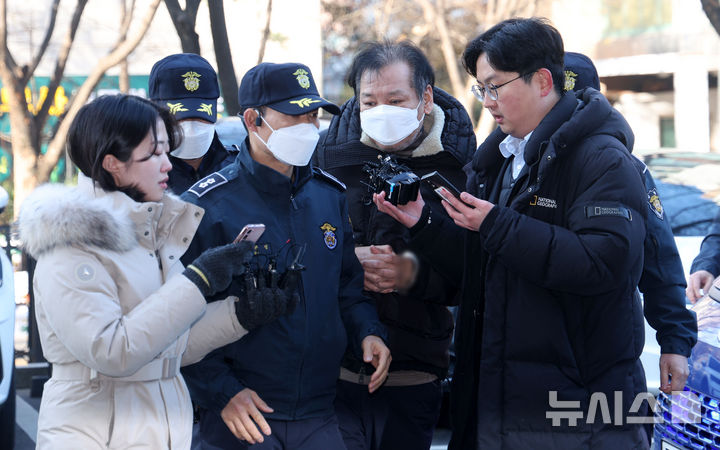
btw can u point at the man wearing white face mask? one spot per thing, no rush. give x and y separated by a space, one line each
187 84
275 388
397 110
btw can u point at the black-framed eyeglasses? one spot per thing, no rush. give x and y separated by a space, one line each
491 89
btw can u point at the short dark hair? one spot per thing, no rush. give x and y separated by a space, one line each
522 46
115 125
375 55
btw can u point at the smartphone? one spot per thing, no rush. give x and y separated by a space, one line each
250 232
437 181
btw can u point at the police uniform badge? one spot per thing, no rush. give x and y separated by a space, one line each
329 235
191 80
655 205
302 77
570 78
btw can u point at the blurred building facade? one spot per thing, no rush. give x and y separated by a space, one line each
658 61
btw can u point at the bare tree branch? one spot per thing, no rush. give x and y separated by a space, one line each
712 11
223 56
48 161
5 57
29 70
266 32
184 21
61 62
127 14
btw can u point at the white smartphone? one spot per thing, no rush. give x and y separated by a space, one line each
250 232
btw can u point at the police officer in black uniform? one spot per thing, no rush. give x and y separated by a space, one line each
276 386
187 84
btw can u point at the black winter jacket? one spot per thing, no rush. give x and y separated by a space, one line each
662 282
549 281
419 324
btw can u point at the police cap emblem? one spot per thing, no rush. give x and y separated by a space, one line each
191 80
302 77
570 78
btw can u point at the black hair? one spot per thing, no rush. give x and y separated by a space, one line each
519 45
116 125
375 55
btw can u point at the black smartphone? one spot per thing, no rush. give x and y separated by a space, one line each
437 181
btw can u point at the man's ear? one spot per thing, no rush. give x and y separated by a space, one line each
428 99
250 116
112 165
546 81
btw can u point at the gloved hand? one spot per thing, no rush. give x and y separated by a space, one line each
214 269
260 305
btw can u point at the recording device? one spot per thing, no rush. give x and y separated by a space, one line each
250 232
400 184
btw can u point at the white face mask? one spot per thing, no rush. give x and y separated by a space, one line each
292 145
388 125
197 137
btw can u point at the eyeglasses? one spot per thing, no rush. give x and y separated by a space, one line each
492 90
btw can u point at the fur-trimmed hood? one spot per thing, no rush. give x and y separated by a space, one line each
56 216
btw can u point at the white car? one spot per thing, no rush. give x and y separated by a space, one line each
7 345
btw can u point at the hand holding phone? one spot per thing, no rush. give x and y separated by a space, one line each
441 186
250 232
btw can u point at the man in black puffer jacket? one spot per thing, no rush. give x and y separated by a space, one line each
550 329
397 111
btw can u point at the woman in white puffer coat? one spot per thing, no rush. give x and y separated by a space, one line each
117 312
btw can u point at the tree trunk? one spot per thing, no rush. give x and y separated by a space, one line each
24 150
712 11
225 68
184 21
266 33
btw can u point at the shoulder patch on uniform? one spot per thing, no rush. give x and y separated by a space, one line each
207 184
319 173
655 204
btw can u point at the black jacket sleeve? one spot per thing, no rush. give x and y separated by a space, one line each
709 256
663 284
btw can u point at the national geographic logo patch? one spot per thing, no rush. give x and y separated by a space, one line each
608 211
543 202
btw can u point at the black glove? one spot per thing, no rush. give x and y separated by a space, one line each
260 305
214 269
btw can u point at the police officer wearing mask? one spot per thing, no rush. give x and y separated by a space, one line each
186 84
397 111
276 386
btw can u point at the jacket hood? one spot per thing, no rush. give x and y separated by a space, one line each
61 216
342 145
594 115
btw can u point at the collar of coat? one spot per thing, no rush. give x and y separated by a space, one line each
56 215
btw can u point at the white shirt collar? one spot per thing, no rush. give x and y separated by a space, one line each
512 146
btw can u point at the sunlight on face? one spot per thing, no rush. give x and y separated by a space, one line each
148 166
